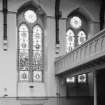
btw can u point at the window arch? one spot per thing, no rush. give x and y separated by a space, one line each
78 24
30 43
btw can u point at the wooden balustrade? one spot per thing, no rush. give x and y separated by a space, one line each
93 48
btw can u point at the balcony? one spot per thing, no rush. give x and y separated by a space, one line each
89 54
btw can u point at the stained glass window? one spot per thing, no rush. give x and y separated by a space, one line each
81 37
76 34
23 52
30 16
75 22
70 40
37 53
30 47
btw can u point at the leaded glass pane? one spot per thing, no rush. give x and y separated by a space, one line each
23 28
23 44
37 76
23 75
37 47
37 55
70 40
23 37
23 48
69 47
23 60
81 37
37 30
75 22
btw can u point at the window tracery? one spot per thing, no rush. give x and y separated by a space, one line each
75 22
30 48
30 16
76 33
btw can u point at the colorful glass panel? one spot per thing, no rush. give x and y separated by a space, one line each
81 37
23 37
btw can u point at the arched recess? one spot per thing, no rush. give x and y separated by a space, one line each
77 22
31 23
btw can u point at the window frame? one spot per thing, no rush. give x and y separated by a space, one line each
83 27
30 33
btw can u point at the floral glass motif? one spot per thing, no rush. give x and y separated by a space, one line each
30 16
81 37
76 22
70 40
37 47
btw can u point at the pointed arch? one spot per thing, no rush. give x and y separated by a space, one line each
32 5
84 12
30 42
78 21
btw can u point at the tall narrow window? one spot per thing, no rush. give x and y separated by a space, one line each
23 52
30 45
70 40
37 52
81 37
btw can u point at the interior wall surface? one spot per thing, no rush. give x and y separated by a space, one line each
8 61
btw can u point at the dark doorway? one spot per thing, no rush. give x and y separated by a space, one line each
101 87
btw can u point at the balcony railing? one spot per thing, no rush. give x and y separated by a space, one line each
93 48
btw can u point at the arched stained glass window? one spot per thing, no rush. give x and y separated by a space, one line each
30 46
23 37
70 40
37 38
81 37
77 26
